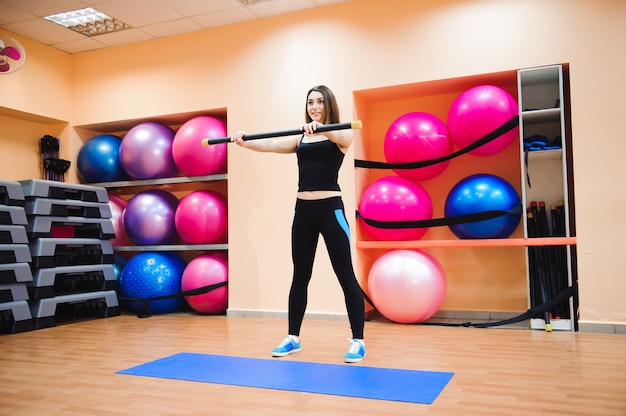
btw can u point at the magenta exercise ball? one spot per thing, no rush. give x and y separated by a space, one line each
479 111
202 218
393 198
146 152
206 270
407 286
149 217
190 156
117 205
415 137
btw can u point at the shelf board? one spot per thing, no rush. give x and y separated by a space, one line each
35 118
548 74
495 242
541 116
556 324
162 181
437 87
173 247
169 120
552 154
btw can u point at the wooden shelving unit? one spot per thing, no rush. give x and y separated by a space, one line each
485 274
179 185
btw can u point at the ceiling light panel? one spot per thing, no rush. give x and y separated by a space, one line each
88 21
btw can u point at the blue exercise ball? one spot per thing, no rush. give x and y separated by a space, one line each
481 193
151 274
119 264
98 160
118 267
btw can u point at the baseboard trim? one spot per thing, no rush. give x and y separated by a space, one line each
440 316
254 313
602 327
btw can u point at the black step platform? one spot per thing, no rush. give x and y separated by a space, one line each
15 273
12 215
15 317
13 234
12 292
42 227
61 190
14 253
65 280
102 304
11 194
55 252
67 208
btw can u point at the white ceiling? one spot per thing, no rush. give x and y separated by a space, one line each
149 19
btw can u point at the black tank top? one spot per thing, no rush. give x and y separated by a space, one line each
318 166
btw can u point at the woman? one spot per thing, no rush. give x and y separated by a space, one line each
319 210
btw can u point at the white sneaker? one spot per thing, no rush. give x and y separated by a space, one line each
356 351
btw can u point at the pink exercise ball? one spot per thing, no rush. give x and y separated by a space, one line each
202 218
206 270
407 286
393 198
415 137
190 156
146 152
117 205
479 111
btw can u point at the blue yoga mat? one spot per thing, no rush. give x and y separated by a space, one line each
411 386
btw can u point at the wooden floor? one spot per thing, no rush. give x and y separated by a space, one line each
70 369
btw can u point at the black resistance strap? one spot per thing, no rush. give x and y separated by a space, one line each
438 222
509 125
146 311
536 312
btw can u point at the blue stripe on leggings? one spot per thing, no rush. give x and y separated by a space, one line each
341 219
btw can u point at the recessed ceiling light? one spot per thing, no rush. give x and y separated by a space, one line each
88 21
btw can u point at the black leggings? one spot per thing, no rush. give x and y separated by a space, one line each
325 217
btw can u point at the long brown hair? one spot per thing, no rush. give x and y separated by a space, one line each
331 110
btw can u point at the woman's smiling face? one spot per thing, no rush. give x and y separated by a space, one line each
315 106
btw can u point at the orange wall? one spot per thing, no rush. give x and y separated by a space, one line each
260 71
34 101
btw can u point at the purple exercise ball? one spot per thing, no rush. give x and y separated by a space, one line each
146 152
149 218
